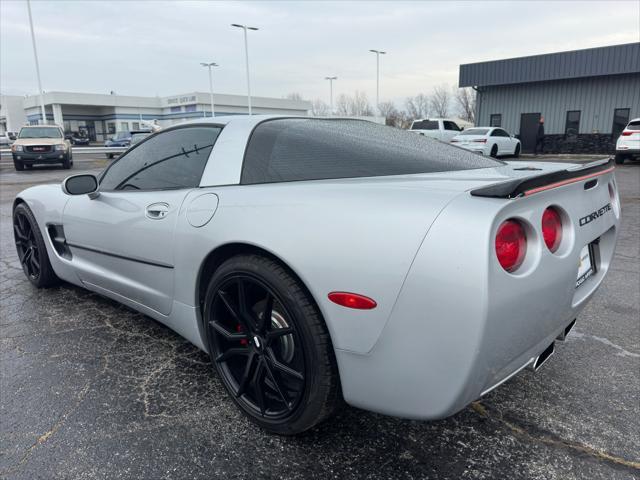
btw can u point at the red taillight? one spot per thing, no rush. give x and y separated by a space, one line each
552 228
481 140
626 133
511 245
352 300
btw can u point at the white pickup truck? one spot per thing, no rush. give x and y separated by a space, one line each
439 128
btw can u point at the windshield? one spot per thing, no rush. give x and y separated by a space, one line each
40 132
475 131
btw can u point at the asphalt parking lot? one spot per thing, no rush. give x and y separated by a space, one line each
91 389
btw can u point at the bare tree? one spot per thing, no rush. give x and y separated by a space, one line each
294 96
360 105
343 104
439 101
466 103
418 106
319 108
389 111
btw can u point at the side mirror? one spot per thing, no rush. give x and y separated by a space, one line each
81 185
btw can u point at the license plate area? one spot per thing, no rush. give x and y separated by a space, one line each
587 264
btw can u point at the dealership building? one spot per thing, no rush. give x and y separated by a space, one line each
100 116
586 97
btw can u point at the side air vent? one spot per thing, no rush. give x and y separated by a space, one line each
59 241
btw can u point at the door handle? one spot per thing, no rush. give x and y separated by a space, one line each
157 211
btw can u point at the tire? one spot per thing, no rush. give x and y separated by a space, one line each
284 382
66 162
516 152
19 166
28 166
494 151
31 249
620 158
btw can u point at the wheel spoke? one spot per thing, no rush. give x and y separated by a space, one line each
224 296
25 256
226 333
257 387
279 332
246 376
19 233
276 385
265 319
34 265
282 367
232 352
242 299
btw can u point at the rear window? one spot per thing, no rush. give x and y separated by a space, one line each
285 150
475 131
425 125
633 126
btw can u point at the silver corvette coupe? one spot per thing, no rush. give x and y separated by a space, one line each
318 260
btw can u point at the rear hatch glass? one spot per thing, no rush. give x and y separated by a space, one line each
284 150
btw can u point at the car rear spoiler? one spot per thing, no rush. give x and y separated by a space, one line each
522 187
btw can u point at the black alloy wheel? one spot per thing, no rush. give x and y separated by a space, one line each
31 249
270 346
494 151
516 153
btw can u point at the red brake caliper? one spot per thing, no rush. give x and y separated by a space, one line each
239 329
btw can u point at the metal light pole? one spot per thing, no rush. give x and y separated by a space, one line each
210 66
378 53
331 79
246 58
35 54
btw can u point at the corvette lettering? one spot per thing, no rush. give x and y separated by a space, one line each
594 215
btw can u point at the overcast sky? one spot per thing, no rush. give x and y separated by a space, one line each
152 47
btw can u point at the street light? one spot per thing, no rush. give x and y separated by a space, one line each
35 54
246 58
210 66
331 79
378 53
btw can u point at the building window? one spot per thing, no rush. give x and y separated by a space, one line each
176 109
135 126
124 126
620 120
190 108
572 125
495 120
111 128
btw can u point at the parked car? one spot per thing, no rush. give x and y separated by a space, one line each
491 141
120 139
77 138
439 128
628 143
139 135
5 140
405 275
41 144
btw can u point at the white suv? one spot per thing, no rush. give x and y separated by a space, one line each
628 144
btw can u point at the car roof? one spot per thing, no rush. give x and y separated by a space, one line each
634 120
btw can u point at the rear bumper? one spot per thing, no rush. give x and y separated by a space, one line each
461 325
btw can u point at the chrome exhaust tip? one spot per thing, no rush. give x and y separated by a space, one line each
563 335
542 358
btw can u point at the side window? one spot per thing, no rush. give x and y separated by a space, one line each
451 126
572 125
169 160
495 120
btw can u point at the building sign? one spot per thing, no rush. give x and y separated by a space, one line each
181 100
